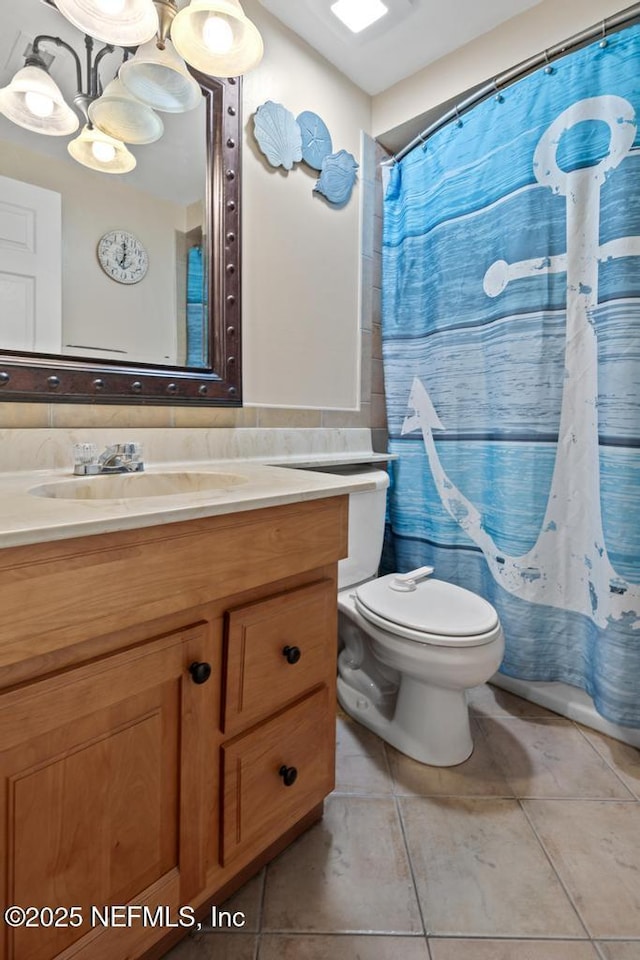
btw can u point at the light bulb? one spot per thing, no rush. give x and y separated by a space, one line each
38 104
111 7
103 152
217 35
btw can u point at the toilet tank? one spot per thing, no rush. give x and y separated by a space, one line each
367 510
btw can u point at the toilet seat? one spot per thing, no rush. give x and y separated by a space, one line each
436 612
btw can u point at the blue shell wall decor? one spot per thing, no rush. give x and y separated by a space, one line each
278 134
338 177
316 139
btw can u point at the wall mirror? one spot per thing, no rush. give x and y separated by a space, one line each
170 333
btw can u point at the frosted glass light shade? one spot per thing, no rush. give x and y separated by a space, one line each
206 48
125 24
159 77
58 120
122 116
83 150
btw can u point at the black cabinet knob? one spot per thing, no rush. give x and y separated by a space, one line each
291 654
288 774
200 672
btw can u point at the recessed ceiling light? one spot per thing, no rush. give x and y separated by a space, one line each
359 14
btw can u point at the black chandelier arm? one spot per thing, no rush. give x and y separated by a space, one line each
60 43
94 79
88 46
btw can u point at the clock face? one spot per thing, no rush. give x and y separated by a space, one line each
122 257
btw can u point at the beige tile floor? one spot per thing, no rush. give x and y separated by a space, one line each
528 851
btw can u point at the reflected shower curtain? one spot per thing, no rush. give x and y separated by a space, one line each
197 346
511 344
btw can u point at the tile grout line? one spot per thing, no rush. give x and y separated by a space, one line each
263 894
596 947
396 801
371 934
553 867
606 761
392 779
525 937
362 794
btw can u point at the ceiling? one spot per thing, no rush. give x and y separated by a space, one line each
413 34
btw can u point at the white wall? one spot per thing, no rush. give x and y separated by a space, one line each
524 36
300 256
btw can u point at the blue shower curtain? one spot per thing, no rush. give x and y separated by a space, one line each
511 344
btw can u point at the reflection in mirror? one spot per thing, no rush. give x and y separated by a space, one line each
118 288
152 214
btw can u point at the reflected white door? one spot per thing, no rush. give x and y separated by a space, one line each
30 267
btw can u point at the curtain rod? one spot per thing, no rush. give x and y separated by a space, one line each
617 21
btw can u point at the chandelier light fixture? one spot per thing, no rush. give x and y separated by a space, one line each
122 116
123 23
159 43
159 77
216 35
95 149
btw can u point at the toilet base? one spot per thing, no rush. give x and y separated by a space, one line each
429 724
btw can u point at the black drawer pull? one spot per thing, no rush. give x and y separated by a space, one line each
288 774
200 672
291 654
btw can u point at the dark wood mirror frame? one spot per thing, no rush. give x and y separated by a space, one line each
52 379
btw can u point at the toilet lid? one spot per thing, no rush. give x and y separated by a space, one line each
434 607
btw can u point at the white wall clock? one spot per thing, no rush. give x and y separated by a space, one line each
123 257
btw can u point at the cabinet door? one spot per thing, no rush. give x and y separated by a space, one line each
276 650
276 774
102 796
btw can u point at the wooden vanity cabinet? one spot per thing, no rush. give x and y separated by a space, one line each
162 731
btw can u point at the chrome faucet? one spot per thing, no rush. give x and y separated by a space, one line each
116 458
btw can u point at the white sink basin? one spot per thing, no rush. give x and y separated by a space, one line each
124 486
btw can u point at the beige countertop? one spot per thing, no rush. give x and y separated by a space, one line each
27 516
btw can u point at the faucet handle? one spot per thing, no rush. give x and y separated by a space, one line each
133 451
85 458
128 454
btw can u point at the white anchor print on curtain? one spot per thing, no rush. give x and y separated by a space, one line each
581 577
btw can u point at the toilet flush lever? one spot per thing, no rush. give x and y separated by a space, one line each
406 582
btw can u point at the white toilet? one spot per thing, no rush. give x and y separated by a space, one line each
410 645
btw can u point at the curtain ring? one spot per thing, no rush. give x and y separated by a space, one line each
548 69
458 118
604 42
498 97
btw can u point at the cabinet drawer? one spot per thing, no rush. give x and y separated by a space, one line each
276 649
258 805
